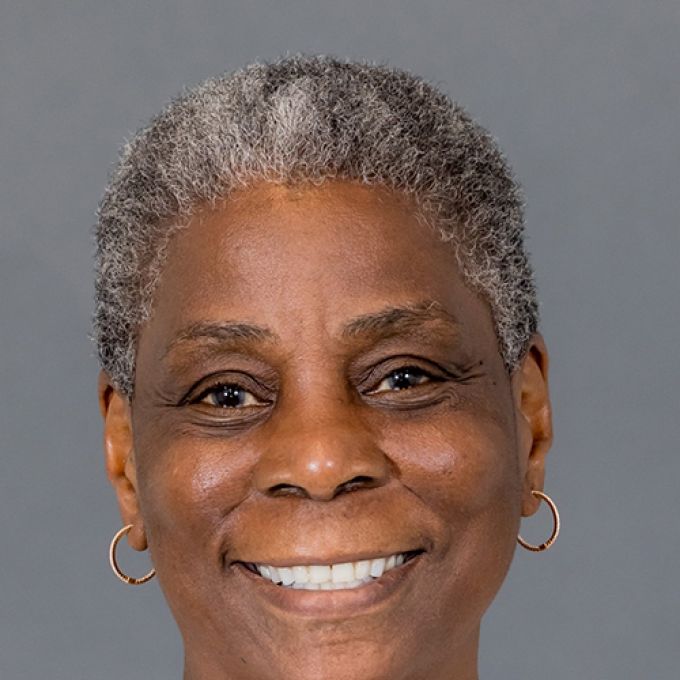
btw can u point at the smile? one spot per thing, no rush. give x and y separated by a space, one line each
339 576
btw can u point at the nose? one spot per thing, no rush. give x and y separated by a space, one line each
321 458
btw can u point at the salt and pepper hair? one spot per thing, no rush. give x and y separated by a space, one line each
309 119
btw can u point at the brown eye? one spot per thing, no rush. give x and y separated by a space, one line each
228 395
402 379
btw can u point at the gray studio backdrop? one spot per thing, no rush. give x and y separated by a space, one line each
584 97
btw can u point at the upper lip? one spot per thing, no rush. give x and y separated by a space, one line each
309 560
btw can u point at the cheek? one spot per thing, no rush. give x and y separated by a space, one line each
461 464
187 484
463 470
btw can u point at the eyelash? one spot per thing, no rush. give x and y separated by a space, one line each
405 370
223 385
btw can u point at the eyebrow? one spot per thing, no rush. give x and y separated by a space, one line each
225 332
391 320
398 319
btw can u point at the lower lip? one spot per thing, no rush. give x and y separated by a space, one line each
330 604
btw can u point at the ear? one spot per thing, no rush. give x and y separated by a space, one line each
119 457
534 420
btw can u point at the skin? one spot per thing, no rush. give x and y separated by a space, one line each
323 459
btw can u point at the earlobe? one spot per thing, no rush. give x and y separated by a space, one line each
119 457
534 420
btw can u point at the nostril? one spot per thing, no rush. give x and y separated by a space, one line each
356 483
288 490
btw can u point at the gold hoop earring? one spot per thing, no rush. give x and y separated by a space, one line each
114 563
556 525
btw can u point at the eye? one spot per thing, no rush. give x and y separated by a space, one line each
403 378
228 396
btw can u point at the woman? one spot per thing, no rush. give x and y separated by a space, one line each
325 397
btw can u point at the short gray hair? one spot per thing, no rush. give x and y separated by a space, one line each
301 119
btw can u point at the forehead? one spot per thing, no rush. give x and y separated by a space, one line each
337 230
307 258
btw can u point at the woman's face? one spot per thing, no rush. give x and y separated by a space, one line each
317 386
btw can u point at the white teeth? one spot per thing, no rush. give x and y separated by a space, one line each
286 575
301 575
362 569
319 573
377 567
343 573
334 577
329 585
